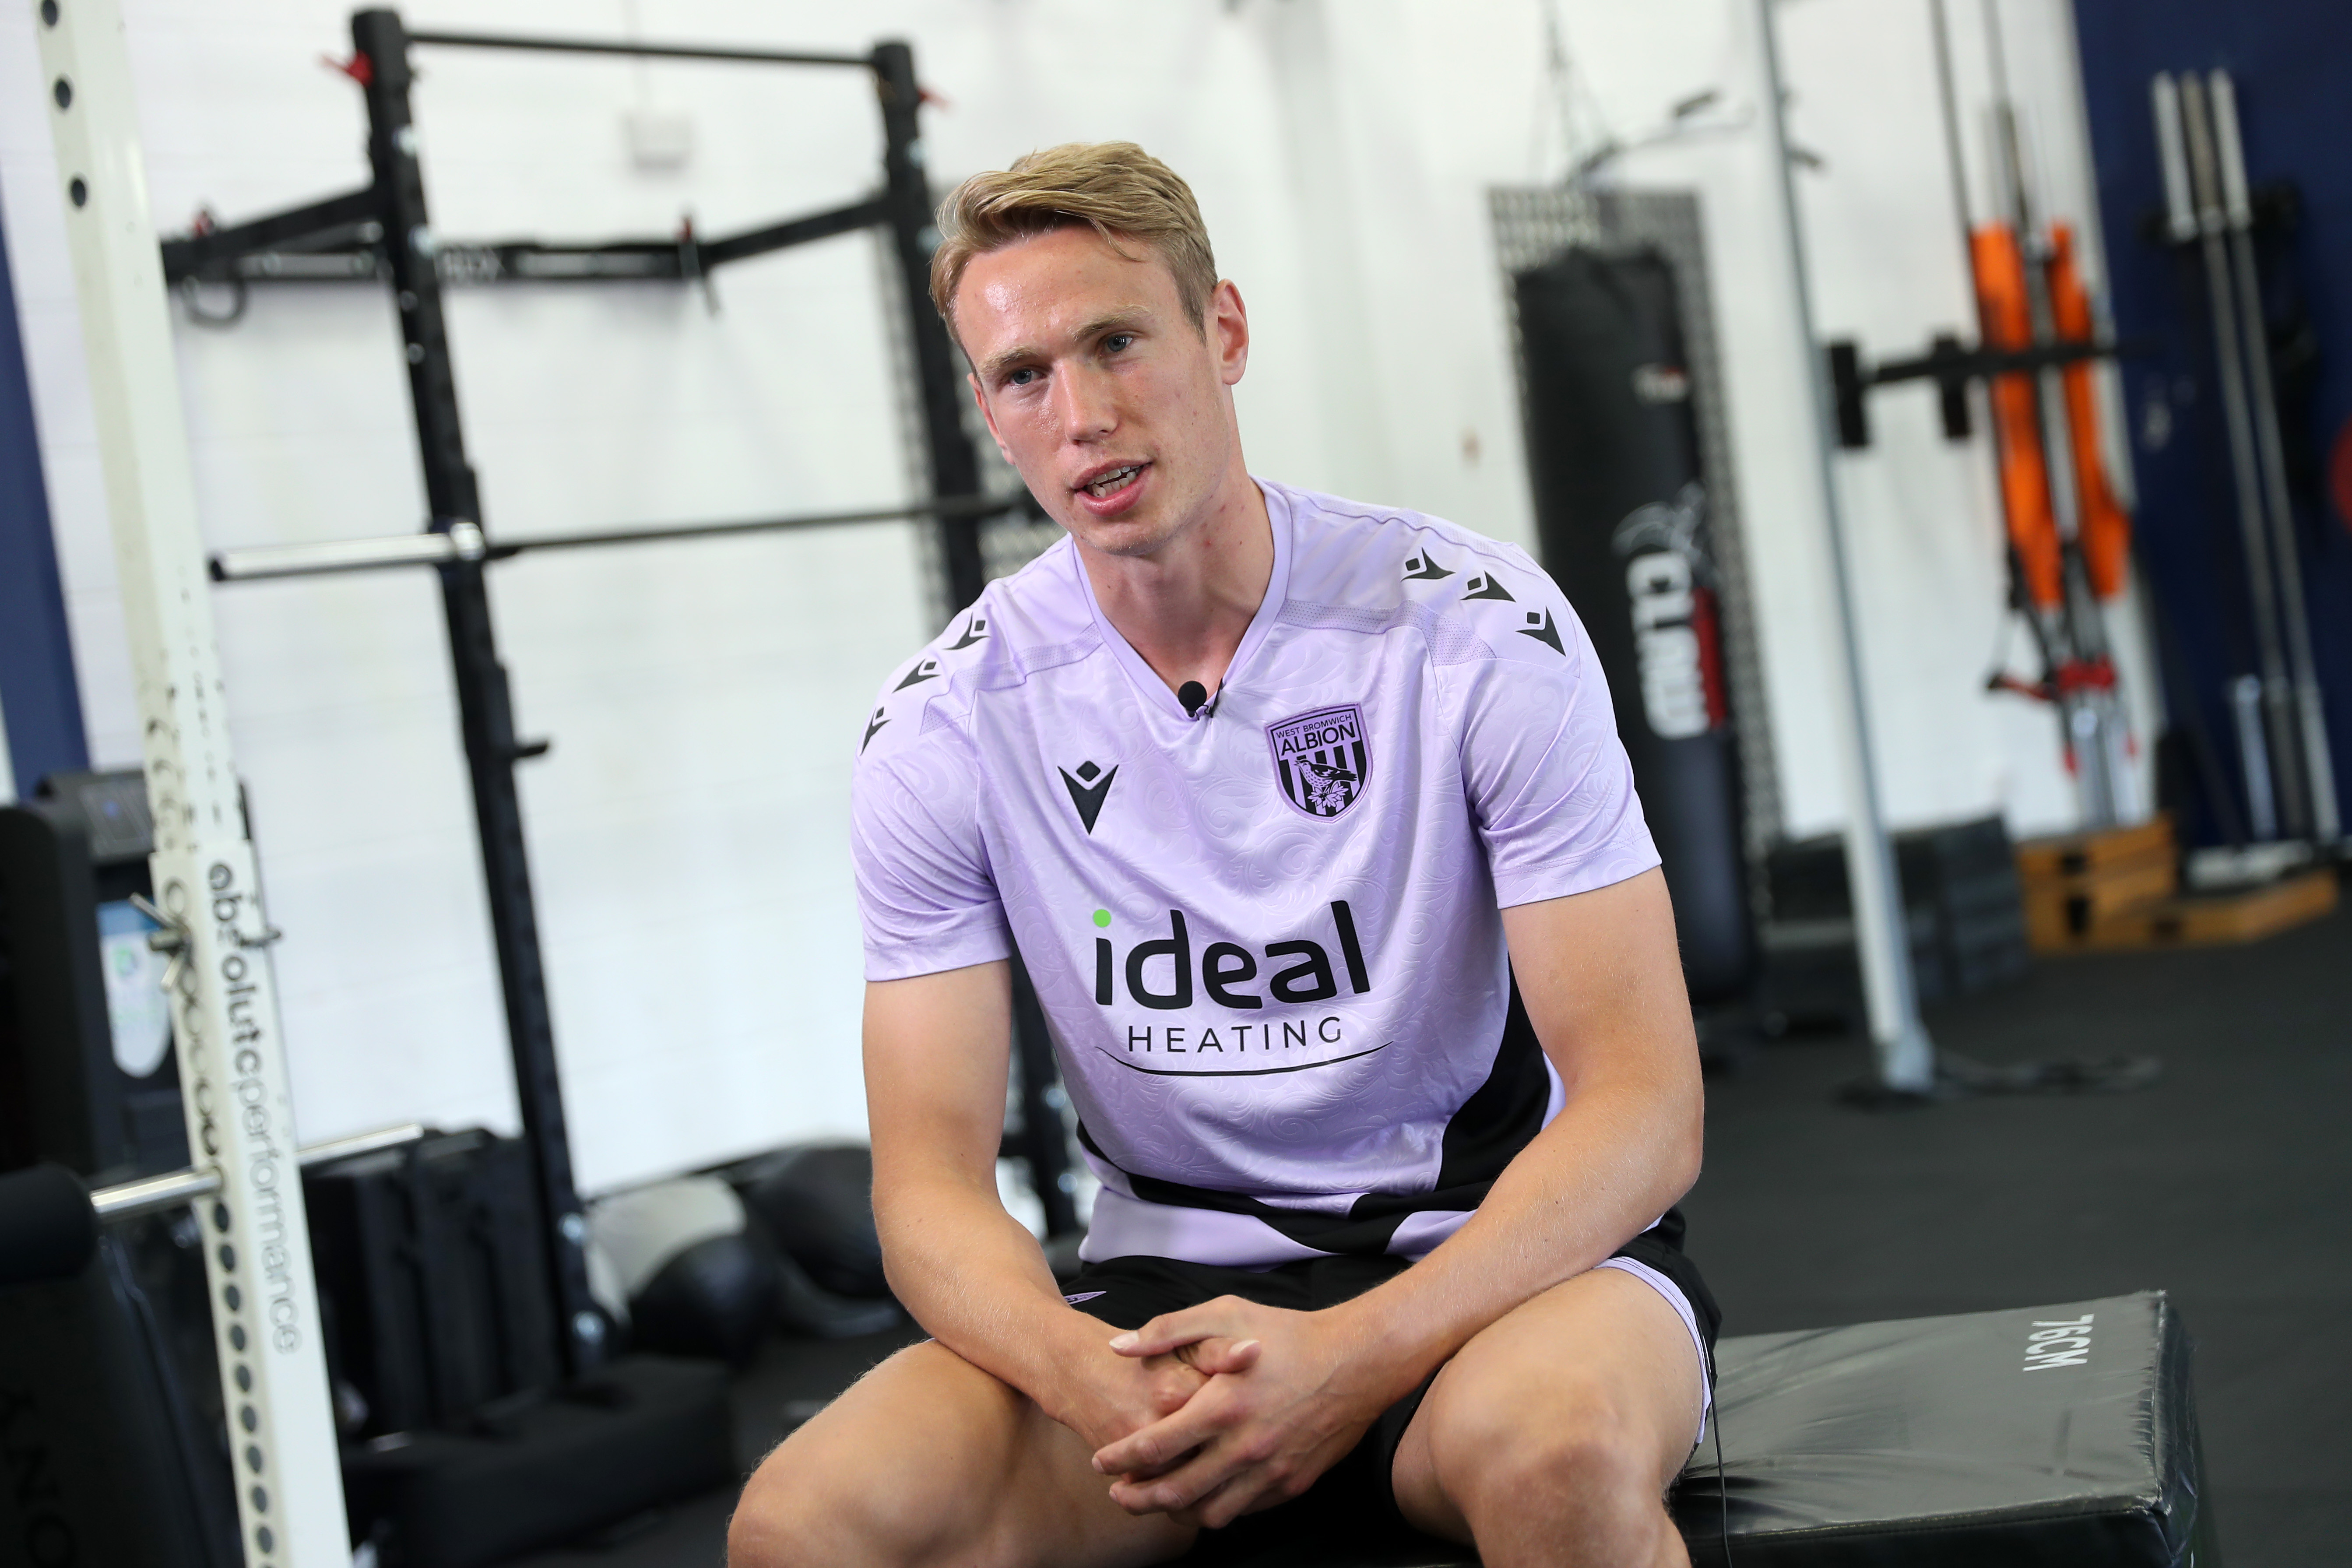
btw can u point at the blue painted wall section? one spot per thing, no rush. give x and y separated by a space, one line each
38 695
2290 60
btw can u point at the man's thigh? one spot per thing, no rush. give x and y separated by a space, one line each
1598 1371
929 1459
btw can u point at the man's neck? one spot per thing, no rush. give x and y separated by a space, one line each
1186 607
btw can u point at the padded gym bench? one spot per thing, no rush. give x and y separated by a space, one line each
2040 1438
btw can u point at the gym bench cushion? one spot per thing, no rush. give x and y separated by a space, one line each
2042 1436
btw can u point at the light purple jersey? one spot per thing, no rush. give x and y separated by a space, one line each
1266 939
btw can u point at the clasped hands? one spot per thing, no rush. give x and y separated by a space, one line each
1279 1401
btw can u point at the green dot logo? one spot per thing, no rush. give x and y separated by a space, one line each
1102 917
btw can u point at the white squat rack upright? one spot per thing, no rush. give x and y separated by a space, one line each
224 1000
1906 1056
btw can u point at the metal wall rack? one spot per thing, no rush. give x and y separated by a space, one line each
383 233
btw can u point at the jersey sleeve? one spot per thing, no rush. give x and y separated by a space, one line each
925 894
1549 784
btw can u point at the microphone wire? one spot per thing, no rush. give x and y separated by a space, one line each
1722 1493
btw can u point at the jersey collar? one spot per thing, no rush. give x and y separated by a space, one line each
1139 674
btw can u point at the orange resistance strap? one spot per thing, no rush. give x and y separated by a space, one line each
2105 527
2024 477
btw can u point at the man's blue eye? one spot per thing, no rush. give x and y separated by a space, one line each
1019 377
1117 342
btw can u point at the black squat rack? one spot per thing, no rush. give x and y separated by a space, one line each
383 233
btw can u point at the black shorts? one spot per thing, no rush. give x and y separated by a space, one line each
1355 1498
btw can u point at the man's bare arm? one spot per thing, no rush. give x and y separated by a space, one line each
1601 978
937 1053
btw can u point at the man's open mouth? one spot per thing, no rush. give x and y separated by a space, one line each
1112 482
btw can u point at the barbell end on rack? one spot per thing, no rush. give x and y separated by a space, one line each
128 1200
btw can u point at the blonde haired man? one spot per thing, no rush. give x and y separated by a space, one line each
1310 824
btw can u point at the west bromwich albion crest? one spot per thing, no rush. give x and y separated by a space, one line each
1320 759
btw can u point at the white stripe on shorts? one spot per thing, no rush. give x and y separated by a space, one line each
1681 1304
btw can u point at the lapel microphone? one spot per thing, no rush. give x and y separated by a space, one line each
1195 698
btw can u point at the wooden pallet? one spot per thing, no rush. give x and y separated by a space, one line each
2085 854
2077 883
2060 912
2203 919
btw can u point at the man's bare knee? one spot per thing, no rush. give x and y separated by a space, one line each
1552 1456
801 1507
1591 1463
782 1518
851 1490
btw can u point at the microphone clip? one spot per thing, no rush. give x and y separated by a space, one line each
1197 702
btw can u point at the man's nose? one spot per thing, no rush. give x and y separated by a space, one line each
1088 407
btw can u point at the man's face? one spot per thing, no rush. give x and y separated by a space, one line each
1098 386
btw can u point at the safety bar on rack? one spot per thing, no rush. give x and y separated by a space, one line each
49 1216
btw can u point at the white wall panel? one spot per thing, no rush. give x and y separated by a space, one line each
689 831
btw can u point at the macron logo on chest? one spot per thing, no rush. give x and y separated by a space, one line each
1088 788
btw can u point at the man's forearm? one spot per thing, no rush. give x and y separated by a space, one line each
974 1278
1601 979
1609 1164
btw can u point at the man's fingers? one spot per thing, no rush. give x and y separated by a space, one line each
1218 1353
1166 1439
1169 1381
1246 1493
1173 1330
1174 1492
1215 1486
1172 1389
1155 1448
1234 1486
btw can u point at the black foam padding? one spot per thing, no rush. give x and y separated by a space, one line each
108 1455
47 1229
1962 905
809 1308
717 1298
1925 1443
433 1274
1945 1442
641 1433
817 1204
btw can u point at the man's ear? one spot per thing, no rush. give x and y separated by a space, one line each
980 401
1229 330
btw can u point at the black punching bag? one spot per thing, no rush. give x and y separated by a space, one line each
1621 511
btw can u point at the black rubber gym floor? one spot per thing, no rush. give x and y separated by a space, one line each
2228 1182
